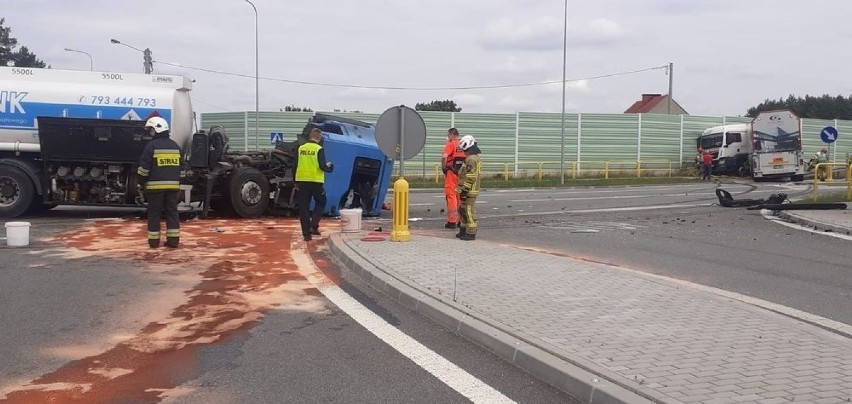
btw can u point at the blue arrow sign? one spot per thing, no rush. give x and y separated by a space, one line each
828 134
275 137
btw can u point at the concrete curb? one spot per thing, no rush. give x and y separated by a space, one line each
560 372
793 217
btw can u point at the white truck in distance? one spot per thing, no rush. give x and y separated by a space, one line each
768 147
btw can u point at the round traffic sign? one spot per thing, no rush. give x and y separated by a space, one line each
828 134
400 133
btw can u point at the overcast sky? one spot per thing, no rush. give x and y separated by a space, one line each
728 55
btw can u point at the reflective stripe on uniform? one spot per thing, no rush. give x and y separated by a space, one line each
162 185
173 233
143 172
153 235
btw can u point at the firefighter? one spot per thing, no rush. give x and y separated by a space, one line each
451 160
468 188
311 167
160 171
699 162
821 157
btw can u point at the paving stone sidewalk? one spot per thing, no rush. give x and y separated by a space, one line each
658 339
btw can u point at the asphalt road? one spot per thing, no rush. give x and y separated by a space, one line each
205 325
678 231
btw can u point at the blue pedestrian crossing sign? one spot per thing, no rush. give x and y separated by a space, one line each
276 137
828 134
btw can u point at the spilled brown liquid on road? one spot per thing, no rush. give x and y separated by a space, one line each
246 269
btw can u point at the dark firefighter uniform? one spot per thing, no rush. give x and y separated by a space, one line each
468 190
161 170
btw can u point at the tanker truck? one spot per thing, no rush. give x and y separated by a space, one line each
75 138
770 146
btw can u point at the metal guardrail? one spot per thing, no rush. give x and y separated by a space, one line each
826 170
585 169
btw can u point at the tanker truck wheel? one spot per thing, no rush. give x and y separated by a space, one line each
248 192
16 192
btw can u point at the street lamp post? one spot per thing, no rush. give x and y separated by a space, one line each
564 68
256 77
91 61
147 59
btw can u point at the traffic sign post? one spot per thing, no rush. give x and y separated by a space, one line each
828 135
400 134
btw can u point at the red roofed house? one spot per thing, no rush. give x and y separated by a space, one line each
655 104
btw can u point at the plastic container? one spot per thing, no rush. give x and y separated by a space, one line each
350 220
17 234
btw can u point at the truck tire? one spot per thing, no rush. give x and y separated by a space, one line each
16 192
248 192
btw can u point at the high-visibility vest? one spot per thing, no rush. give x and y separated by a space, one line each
308 169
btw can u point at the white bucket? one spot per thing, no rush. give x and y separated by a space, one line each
17 234
350 220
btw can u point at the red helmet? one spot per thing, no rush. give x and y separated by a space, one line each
824 151
700 150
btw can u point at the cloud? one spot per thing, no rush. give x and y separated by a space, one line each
541 34
469 101
545 34
598 32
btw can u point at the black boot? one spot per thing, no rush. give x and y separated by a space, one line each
172 242
468 237
460 234
451 225
154 243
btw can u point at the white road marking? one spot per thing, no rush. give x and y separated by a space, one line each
447 372
768 216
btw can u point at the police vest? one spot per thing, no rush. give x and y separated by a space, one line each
308 169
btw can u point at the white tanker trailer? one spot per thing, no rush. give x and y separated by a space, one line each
75 138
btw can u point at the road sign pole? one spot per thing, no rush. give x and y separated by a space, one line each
400 231
401 141
400 134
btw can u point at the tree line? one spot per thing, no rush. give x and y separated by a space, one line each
822 107
9 56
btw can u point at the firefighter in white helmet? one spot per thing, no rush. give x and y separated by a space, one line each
468 187
160 171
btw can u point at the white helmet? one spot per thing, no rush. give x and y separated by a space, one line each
159 124
466 142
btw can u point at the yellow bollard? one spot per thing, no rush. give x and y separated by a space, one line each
849 182
506 172
400 211
816 183
540 171
638 169
606 170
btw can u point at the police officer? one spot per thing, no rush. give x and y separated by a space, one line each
311 167
160 171
468 187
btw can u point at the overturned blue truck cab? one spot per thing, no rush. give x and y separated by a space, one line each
253 183
361 173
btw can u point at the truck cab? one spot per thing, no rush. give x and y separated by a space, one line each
730 147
